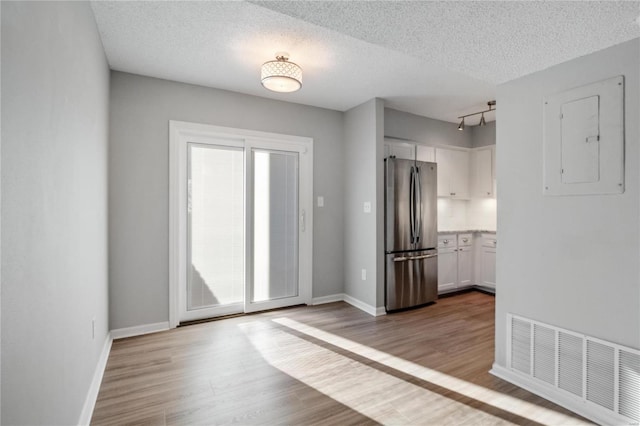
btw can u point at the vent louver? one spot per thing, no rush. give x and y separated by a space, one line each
570 363
521 345
629 385
544 353
596 372
600 374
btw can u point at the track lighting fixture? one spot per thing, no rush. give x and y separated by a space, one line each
491 105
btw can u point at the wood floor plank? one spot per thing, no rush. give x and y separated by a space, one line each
330 364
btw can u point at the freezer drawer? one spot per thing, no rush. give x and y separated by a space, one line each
411 279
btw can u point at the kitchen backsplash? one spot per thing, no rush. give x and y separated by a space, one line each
455 215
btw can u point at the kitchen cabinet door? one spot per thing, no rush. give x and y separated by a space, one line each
453 172
402 150
447 269
465 262
482 172
425 153
488 264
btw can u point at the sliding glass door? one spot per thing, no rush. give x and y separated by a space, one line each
216 240
275 219
246 243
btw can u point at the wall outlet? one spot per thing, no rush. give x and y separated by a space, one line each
93 328
364 275
321 201
367 207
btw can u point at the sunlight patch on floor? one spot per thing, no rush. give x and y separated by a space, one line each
380 396
468 389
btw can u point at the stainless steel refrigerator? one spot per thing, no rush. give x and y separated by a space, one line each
411 233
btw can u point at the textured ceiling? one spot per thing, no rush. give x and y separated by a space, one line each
436 59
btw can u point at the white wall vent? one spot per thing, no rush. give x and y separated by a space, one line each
599 373
544 353
629 384
570 365
521 345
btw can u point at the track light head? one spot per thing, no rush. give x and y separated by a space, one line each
492 107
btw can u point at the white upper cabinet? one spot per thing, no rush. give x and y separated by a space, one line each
453 172
425 153
402 150
483 172
463 173
409 151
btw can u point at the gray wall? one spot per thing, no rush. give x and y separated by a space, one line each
428 131
568 261
482 136
141 108
55 92
363 140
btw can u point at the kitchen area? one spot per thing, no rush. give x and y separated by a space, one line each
466 196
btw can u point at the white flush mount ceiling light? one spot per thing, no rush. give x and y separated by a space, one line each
491 105
281 75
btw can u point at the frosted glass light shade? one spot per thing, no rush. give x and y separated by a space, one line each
281 75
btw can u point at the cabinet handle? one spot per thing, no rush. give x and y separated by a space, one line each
464 240
445 241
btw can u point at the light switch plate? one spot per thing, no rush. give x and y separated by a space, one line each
367 207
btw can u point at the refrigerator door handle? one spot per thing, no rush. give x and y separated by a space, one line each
419 206
424 256
412 202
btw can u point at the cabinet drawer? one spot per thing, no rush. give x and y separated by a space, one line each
448 240
489 240
465 240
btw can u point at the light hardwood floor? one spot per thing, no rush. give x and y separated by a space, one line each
328 364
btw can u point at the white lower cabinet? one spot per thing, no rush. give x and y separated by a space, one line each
488 261
465 266
455 262
464 261
447 269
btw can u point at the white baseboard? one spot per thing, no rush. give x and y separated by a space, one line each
139 330
564 399
342 297
371 310
94 388
328 299
380 310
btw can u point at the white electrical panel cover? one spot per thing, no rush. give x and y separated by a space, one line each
584 140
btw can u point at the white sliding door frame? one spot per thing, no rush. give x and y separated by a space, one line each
305 188
180 135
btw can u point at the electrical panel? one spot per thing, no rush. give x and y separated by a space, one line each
584 140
